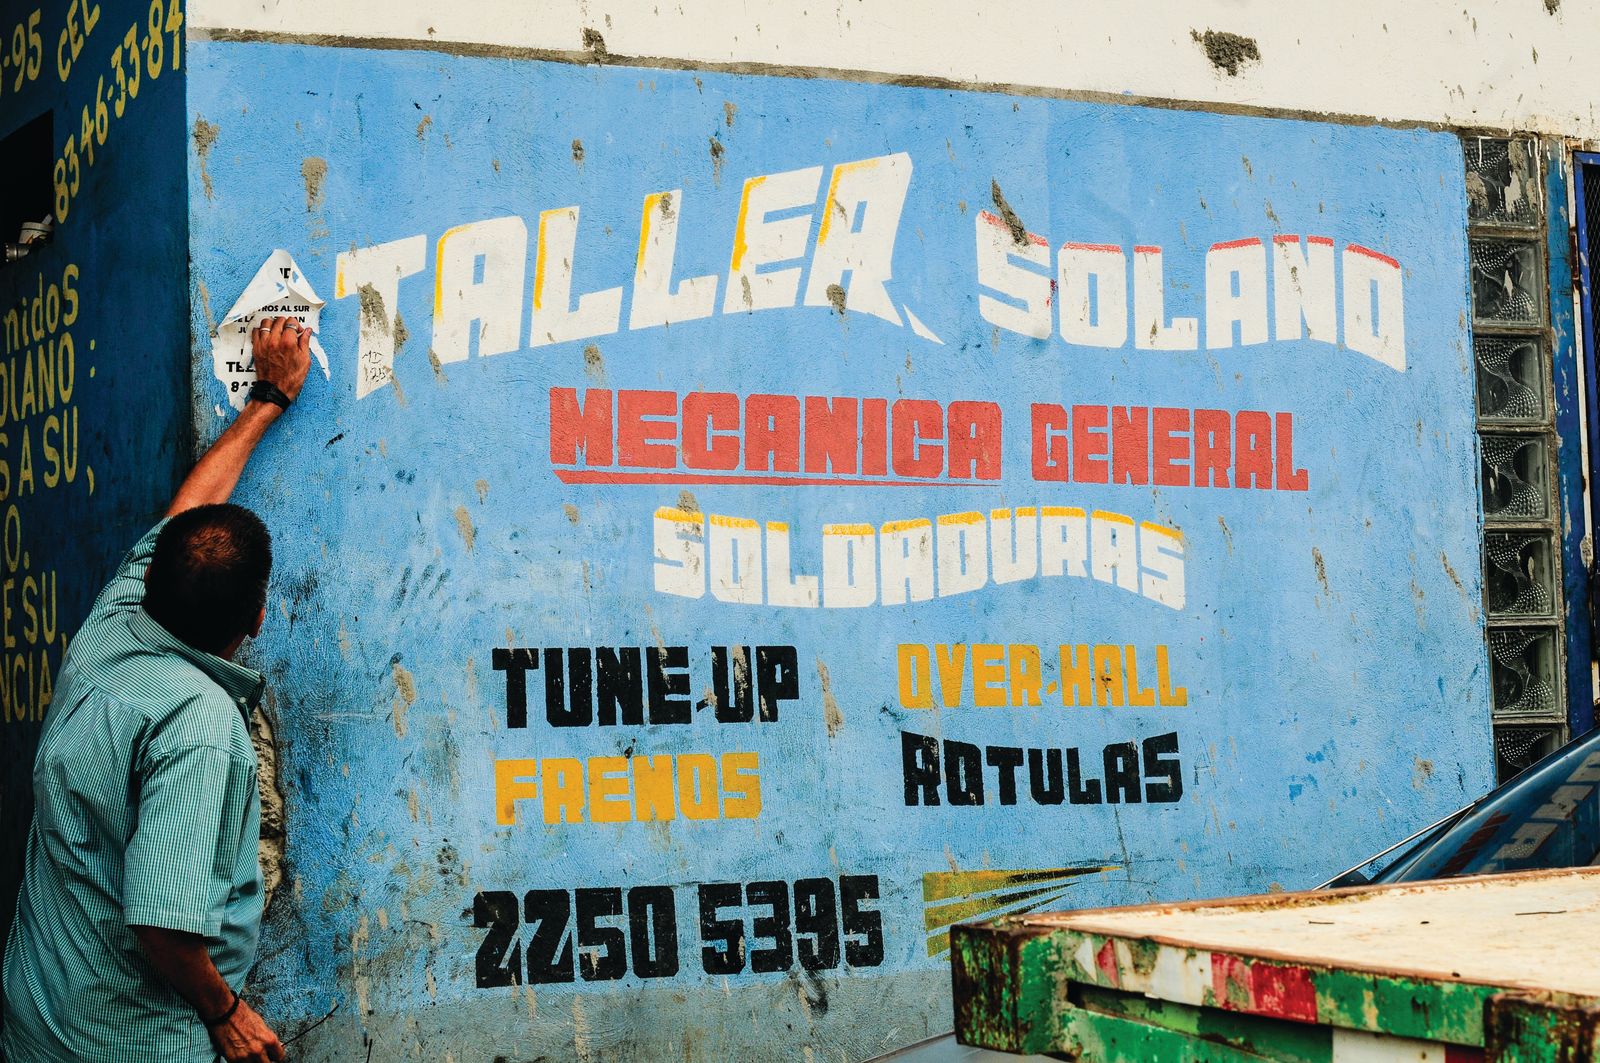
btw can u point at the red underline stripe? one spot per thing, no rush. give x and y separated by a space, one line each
1000 223
1370 253
1253 241
602 476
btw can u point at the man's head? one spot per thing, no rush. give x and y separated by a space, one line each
207 582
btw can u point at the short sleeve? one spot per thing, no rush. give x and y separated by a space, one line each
178 866
126 589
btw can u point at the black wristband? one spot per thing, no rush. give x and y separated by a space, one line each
265 391
225 1016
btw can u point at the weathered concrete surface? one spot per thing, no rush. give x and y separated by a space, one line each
1496 65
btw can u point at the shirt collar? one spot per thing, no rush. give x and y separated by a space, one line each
240 683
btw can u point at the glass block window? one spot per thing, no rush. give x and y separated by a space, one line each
1519 574
1511 383
1507 281
1511 346
1523 663
1518 747
1503 179
1515 477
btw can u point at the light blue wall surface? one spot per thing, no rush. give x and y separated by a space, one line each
1330 639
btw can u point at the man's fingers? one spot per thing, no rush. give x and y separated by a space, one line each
275 331
305 343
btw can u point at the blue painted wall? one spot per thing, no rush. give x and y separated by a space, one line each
93 341
1328 638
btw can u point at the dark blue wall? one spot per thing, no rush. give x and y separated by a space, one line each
91 440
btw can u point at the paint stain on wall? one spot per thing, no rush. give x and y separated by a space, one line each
593 364
373 312
482 487
205 304
1227 533
469 534
422 126
1227 51
595 44
836 298
405 690
1322 570
571 511
205 137
313 171
1019 231
717 154
1552 6
687 502
729 110
577 151
830 705
401 333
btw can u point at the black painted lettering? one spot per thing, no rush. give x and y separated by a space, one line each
669 684
1005 760
715 930
499 961
773 927
919 762
620 685
963 773
515 664
602 950
816 924
777 678
550 946
1122 773
653 931
1080 792
867 926
1044 776
734 705
1163 775
555 687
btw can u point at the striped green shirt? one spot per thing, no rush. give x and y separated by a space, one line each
146 814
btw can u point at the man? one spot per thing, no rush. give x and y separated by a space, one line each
141 892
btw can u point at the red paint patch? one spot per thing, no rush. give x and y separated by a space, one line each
1462 1054
1283 992
1230 982
1106 960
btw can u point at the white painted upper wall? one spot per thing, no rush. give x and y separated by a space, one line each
1502 64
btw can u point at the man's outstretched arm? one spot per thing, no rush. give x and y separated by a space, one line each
282 350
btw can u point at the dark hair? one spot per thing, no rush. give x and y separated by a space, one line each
208 579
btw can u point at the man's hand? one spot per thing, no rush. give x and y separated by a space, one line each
245 1038
182 959
282 350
